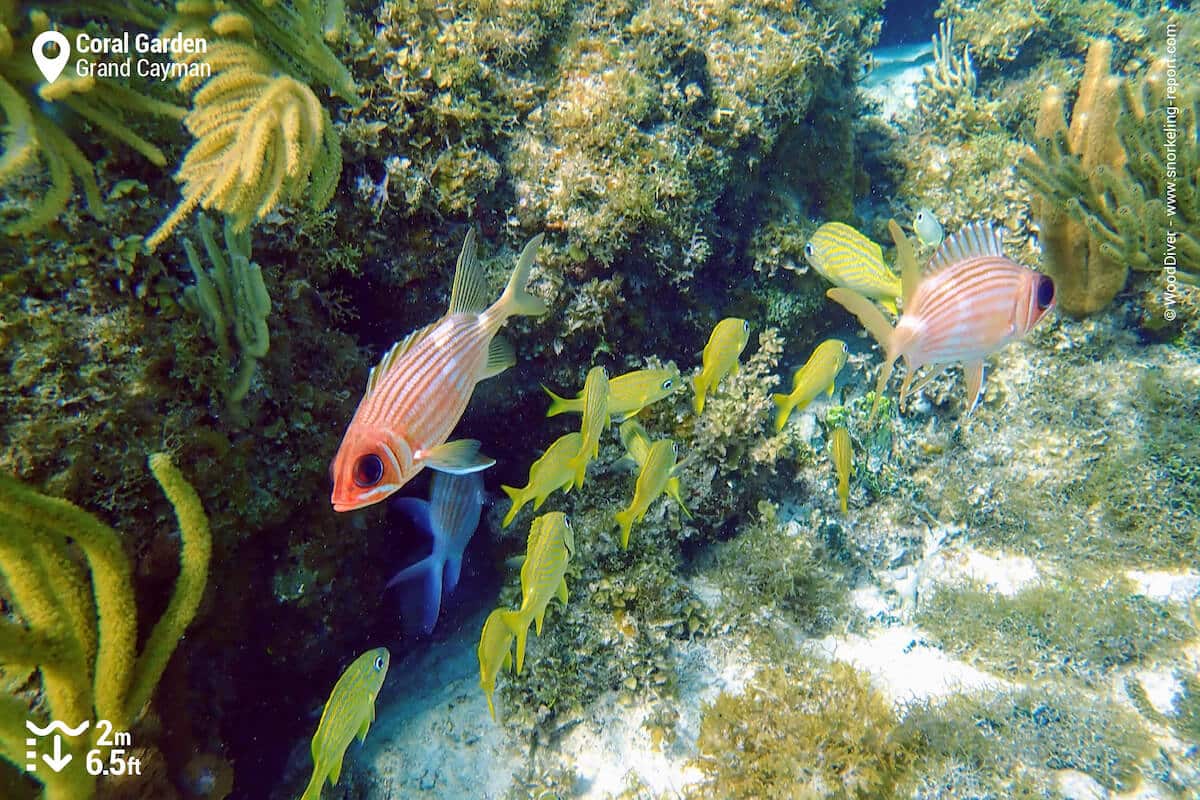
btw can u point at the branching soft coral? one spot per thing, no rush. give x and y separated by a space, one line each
262 136
84 648
32 133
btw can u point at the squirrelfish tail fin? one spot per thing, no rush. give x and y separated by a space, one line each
516 301
906 260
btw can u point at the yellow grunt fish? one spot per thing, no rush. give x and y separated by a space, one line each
848 259
658 468
348 713
842 452
817 375
595 420
495 654
725 346
627 394
543 576
637 445
548 474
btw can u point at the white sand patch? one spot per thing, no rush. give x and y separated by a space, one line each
1162 689
1166 587
906 667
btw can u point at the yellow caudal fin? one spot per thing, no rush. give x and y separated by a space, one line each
519 625
701 389
561 405
783 404
516 301
313 790
518 499
625 521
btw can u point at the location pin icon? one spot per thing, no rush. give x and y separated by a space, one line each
51 67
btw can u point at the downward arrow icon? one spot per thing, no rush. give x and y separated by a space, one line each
58 761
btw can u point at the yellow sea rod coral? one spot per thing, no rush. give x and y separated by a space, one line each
262 136
84 648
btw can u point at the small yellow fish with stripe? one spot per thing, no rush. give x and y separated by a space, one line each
842 452
658 468
548 474
595 420
349 712
817 375
543 575
848 259
637 445
725 345
495 654
628 394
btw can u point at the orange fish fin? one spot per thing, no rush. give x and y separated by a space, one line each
500 357
458 457
906 260
516 301
866 311
977 239
469 293
933 372
973 373
392 355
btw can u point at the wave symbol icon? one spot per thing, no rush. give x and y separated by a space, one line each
56 725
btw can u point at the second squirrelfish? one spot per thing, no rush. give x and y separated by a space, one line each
627 394
418 392
848 259
543 576
971 302
817 375
842 452
450 516
725 345
548 474
348 713
595 420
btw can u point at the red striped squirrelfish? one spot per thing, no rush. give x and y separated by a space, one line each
971 302
420 389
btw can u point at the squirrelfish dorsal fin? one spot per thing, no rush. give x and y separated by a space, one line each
906 260
469 294
392 355
976 240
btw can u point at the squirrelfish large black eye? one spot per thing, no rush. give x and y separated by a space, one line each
378 663
1045 292
368 470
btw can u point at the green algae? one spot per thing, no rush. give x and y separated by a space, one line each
1070 628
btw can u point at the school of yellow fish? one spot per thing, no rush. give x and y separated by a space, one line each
841 254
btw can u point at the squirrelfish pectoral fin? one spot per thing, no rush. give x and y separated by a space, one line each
973 373
459 457
499 358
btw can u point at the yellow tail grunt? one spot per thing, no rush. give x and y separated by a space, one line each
841 450
725 345
817 375
495 654
543 576
548 474
848 259
628 394
349 711
595 420
657 470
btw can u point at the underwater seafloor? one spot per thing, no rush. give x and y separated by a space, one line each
198 273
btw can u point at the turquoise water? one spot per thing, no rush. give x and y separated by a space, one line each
296 257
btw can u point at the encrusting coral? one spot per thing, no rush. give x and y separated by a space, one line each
1102 182
262 136
231 294
29 106
85 650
